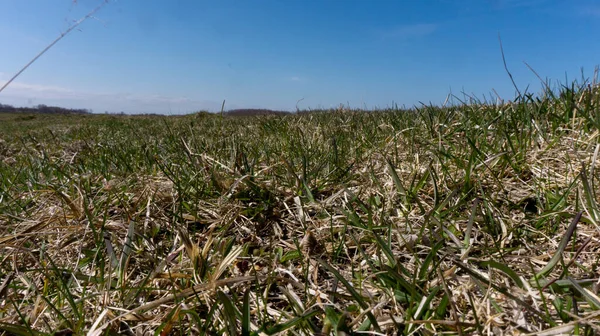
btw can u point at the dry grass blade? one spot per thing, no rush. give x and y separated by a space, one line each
559 330
127 248
75 209
182 295
167 326
4 287
32 229
225 263
110 250
94 330
192 249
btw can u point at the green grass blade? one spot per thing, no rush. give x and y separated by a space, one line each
469 229
504 269
279 328
589 296
359 299
589 196
13 329
229 312
246 314
396 179
561 247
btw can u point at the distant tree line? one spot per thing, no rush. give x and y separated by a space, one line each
45 109
253 112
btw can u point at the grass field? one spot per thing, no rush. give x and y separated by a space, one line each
472 219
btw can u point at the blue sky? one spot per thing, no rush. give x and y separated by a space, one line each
180 56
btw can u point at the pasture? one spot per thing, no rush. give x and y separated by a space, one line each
476 218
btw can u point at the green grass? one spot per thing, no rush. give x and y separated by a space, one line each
478 218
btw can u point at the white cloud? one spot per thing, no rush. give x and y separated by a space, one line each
28 94
409 31
295 78
498 4
592 10
505 4
35 88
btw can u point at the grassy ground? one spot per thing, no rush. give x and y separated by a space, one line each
475 219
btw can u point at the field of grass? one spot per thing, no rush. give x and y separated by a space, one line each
472 219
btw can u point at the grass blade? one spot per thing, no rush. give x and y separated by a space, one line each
277 329
561 247
397 182
506 270
246 314
589 296
359 299
127 248
230 313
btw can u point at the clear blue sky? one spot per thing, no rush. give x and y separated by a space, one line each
178 56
